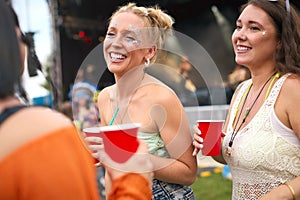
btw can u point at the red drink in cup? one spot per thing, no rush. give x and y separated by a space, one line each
211 132
120 141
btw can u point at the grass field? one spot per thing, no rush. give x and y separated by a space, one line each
212 187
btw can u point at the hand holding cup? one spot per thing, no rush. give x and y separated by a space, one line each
120 141
210 140
140 162
198 140
95 144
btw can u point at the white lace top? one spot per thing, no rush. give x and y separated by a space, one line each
265 153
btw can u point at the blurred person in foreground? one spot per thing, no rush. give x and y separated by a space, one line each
262 129
21 94
133 37
42 156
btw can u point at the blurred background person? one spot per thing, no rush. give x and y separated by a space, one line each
85 112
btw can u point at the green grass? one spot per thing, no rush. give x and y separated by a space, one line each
213 187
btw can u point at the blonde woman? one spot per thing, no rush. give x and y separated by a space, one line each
134 36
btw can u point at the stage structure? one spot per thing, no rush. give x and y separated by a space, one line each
79 26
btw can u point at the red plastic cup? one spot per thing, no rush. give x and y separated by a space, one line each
211 132
120 141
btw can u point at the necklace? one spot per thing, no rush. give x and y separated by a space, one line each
235 129
129 101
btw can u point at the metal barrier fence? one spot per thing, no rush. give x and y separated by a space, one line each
214 112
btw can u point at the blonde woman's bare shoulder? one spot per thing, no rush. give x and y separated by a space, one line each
105 91
157 85
162 94
104 95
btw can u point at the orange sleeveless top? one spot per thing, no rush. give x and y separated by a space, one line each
46 169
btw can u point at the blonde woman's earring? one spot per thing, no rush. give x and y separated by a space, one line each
147 63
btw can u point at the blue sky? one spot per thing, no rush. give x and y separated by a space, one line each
34 16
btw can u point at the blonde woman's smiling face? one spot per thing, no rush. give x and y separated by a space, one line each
124 45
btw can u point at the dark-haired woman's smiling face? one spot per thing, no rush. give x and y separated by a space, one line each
254 39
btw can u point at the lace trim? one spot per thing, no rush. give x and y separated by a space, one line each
263 112
256 185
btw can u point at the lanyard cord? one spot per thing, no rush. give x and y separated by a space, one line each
235 131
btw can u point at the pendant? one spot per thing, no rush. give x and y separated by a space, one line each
228 151
247 112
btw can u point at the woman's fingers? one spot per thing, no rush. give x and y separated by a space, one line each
196 130
196 151
93 139
198 140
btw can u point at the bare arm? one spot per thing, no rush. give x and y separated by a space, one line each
288 191
174 128
287 110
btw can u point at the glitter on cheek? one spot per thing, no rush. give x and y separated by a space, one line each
136 30
138 41
133 44
107 39
130 45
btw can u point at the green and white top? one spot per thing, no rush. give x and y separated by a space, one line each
156 145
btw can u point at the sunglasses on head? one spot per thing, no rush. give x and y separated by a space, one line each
287 5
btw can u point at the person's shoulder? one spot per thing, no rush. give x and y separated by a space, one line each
161 94
157 85
30 124
45 117
293 78
104 94
104 97
292 83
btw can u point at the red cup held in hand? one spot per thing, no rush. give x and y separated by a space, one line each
211 132
120 141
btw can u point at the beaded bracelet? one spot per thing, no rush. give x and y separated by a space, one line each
291 189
